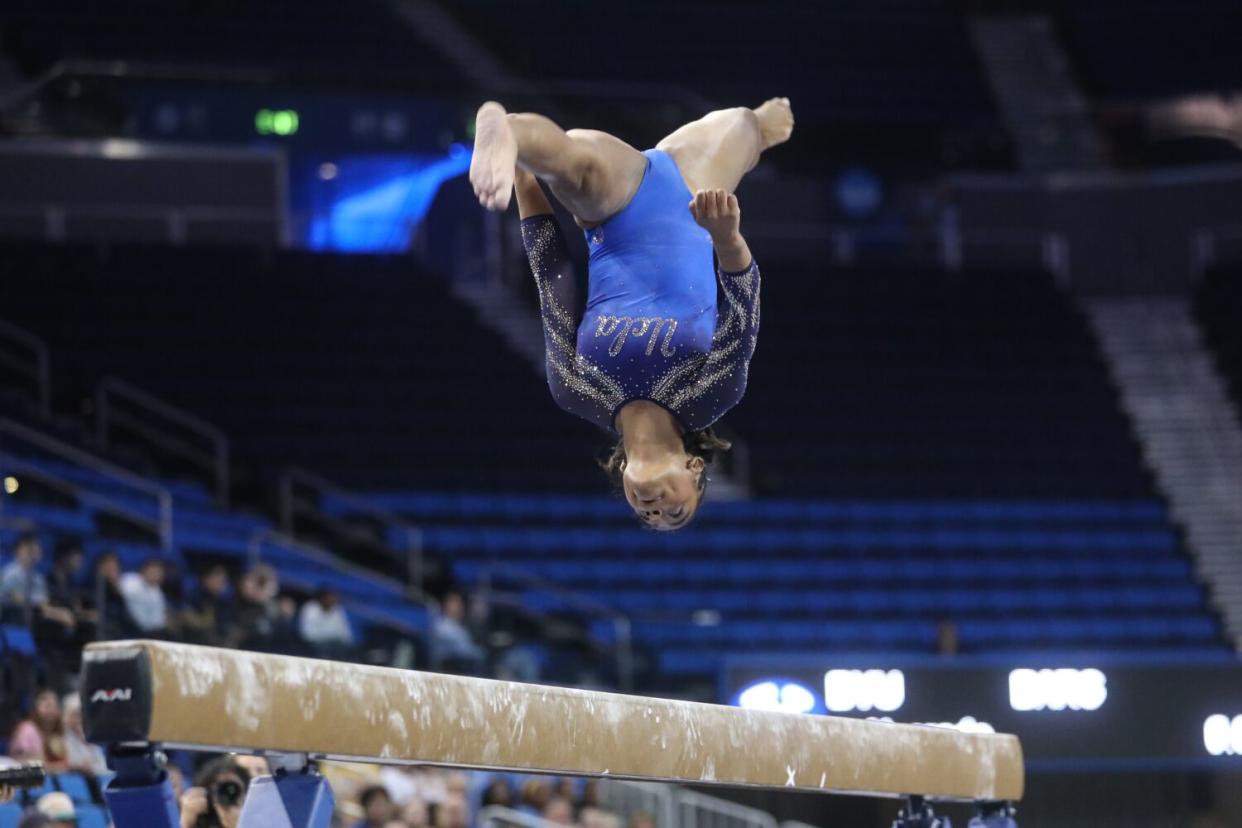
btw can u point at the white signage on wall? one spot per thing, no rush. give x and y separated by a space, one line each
1061 689
864 690
1222 736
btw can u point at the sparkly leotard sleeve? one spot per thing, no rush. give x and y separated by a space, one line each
597 364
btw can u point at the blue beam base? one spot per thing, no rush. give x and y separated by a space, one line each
140 795
288 800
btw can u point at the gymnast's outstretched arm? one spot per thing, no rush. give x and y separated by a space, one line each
721 380
575 387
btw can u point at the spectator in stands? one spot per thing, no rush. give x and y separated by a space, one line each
64 585
254 765
253 617
41 737
80 754
324 625
55 623
642 819
285 635
35 819
216 799
498 792
57 807
111 610
452 646
414 813
535 795
377 807
144 597
454 812
559 810
592 817
206 618
22 586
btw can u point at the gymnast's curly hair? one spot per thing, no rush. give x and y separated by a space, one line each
705 444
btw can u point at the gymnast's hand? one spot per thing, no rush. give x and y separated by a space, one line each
717 212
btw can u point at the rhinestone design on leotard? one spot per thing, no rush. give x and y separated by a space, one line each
698 388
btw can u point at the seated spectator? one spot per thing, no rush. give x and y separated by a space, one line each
285 636
559 810
324 626
255 610
23 589
111 611
206 618
535 795
499 793
41 737
216 799
642 819
254 765
54 618
64 584
81 755
414 814
592 817
454 812
144 597
377 807
35 819
452 647
58 808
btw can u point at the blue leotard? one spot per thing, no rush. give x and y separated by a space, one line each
651 328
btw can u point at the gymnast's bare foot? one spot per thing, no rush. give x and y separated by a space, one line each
495 153
776 121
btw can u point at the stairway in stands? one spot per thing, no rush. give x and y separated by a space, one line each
1191 435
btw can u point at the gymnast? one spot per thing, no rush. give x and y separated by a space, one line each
650 358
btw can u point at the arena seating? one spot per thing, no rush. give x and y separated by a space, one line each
202 533
362 368
925 383
1188 46
316 40
960 456
1218 307
841 576
877 80
911 60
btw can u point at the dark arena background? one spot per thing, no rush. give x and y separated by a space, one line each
271 379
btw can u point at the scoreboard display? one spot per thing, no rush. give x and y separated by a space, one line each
1069 713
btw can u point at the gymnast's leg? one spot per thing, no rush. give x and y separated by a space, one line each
714 152
592 173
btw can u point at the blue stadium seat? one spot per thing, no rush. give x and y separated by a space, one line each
91 816
75 785
10 814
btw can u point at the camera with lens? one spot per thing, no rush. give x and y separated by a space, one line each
227 793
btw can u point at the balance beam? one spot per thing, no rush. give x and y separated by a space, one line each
195 697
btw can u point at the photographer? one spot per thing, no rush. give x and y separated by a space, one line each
216 799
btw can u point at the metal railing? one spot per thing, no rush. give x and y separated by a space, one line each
696 810
498 815
290 506
37 366
12 433
124 406
673 806
630 798
623 647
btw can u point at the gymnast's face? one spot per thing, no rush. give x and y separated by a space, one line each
664 492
